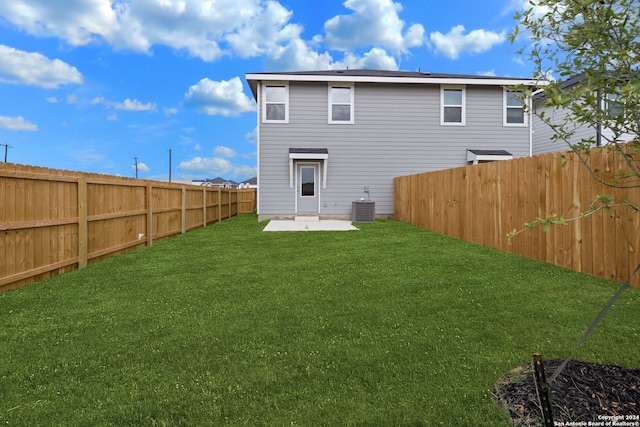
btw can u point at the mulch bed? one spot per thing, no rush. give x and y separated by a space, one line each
583 392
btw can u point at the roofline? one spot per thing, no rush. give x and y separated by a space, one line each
253 78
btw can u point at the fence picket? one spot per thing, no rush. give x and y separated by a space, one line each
482 203
54 221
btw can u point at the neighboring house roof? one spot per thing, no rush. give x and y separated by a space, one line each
250 181
569 83
385 76
218 182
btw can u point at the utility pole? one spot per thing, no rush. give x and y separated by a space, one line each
169 164
6 148
135 159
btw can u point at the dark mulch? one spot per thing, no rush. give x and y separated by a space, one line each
583 392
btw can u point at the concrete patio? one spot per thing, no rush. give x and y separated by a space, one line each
309 223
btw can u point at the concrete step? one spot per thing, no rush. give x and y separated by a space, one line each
307 219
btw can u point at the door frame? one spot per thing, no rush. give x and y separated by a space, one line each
296 188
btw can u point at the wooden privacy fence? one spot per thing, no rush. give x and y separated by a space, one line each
53 221
484 203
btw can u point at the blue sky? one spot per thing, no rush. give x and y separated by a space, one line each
94 84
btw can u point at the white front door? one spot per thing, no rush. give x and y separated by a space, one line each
307 188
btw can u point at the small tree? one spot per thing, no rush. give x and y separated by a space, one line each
589 52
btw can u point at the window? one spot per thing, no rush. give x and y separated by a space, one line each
308 181
614 106
514 114
341 104
452 101
276 103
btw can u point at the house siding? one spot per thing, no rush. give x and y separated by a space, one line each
542 132
396 132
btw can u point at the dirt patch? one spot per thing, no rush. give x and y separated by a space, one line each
583 392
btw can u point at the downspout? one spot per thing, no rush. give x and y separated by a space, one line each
259 109
599 125
530 102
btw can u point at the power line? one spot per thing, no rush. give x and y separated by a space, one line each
135 159
6 148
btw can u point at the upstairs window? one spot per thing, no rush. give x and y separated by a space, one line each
514 114
452 106
341 104
614 106
276 103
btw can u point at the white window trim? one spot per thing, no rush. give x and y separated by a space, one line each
463 88
352 104
264 103
525 123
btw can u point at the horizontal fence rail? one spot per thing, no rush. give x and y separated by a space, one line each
54 221
484 203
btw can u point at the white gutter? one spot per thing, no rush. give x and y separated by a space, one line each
383 79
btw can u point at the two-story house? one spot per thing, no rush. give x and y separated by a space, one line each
597 133
327 138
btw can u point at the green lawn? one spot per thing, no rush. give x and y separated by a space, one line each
387 326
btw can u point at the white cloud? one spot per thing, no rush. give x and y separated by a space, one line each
455 41
142 167
77 22
226 152
126 105
244 172
373 22
52 99
72 99
17 124
252 137
264 30
35 69
112 118
198 147
134 105
297 55
376 58
489 73
204 28
225 98
518 60
170 111
211 29
216 166
537 9
208 29
212 166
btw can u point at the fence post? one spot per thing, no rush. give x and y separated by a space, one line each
219 204
83 238
149 214
204 206
543 390
183 219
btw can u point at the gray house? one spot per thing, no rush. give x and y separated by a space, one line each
328 138
542 132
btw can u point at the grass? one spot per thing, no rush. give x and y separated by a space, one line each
389 325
